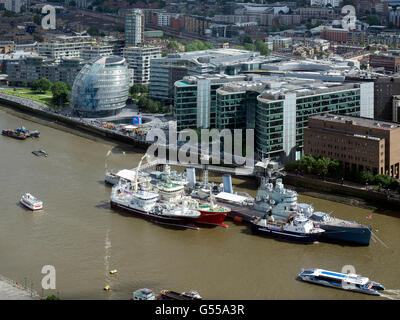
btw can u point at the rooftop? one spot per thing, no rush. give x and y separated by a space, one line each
278 87
358 121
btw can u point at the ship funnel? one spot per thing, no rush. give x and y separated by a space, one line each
227 181
191 176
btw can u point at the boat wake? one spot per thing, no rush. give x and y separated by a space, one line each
392 294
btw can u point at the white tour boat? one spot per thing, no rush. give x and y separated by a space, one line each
31 202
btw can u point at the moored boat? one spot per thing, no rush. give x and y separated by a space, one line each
212 214
284 203
144 294
296 228
337 229
14 134
352 282
173 295
144 204
31 202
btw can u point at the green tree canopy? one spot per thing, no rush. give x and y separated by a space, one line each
61 94
41 86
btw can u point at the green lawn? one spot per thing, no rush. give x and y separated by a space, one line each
43 98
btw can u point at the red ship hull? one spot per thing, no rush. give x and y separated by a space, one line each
212 218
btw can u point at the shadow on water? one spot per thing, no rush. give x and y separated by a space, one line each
387 212
19 204
103 205
129 215
102 182
126 149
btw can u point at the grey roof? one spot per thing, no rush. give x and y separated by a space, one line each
360 121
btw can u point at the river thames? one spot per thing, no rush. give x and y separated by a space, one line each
83 238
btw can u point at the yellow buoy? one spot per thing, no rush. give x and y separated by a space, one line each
107 288
113 271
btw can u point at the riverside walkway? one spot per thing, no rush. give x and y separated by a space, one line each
12 290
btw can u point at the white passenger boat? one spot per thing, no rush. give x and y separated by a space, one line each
31 202
352 282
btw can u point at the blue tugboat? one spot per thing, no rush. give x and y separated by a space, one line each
296 228
352 282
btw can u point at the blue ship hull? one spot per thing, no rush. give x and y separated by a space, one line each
361 236
285 235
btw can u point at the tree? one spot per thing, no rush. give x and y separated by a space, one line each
61 94
37 19
247 39
373 20
307 164
250 46
322 166
93 31
173 45
366 177
41 86
261 47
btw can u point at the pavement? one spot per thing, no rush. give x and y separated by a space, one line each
13 292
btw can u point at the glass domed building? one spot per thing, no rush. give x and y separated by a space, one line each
101 88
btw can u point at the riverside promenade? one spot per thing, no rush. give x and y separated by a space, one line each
13 290
347 189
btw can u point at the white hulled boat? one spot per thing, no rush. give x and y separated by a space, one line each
31 202
352 282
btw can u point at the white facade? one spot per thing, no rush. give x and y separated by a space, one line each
203 103
14 5
163 20
324 3
367 100
64 47
96 51
138 59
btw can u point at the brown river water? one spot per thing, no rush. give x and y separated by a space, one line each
83 238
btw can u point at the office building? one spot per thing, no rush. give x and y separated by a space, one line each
389 62
167 70
14 5
138 59
284 108
97 51
277 107
33 68
385 88
101 88
134 28
325 3
360 144
65 47
196 99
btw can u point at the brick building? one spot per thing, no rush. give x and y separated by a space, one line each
389 62
361 144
